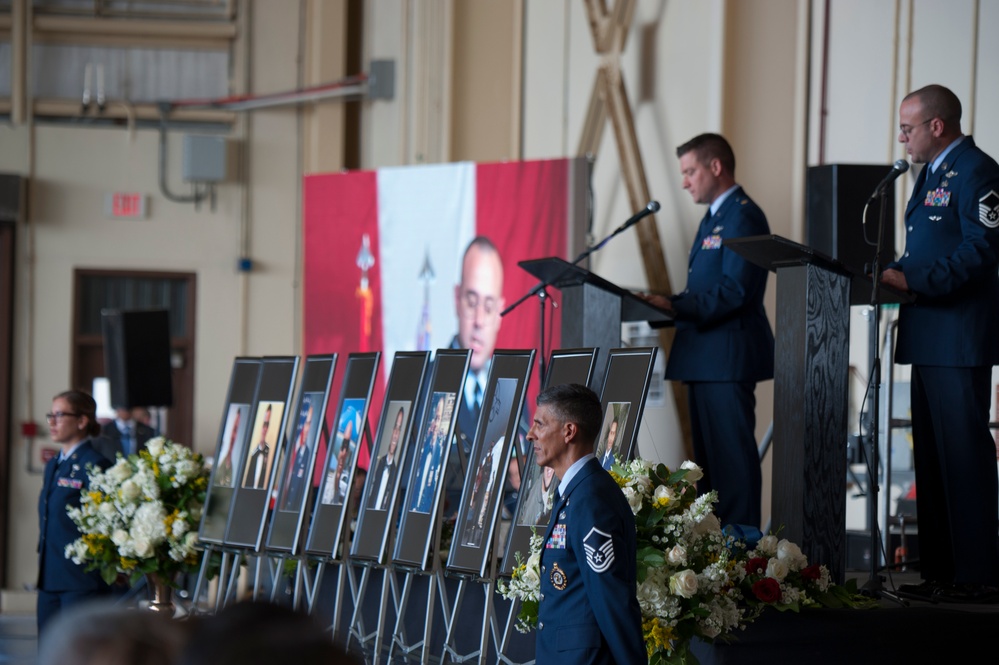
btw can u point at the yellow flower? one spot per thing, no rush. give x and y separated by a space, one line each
621 482
657 636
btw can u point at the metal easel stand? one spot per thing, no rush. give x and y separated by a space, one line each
489 626
228 575
501 644
370 642
401 601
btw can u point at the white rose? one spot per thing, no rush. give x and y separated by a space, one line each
663 492
130 490
683 583
708 525
120 471
791 554
155 446
767 545
694 472
119 537
634 499
531 576
776 569
142 547
678 555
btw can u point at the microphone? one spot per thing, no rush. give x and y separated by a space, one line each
652 207
897 169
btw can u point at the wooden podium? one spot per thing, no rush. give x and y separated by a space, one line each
812 351
593 309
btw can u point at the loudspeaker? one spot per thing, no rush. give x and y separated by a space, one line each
137 357
835 198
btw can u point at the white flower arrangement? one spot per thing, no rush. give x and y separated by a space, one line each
141 515
693 580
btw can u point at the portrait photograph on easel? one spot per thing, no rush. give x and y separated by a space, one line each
378 514
229 449
251 500
537 487
488 485
608 443
626 385
419 529
336 502
296 481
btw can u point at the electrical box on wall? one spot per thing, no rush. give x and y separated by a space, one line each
204 158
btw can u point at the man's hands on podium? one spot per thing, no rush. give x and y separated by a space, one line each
662 302
895 279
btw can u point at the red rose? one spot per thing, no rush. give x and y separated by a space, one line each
756 566
811 573
767 590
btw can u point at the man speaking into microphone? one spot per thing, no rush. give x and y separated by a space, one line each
723 344
950 336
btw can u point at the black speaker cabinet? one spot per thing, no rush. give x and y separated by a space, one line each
137 357
836 195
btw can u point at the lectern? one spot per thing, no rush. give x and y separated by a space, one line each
812 351
593 309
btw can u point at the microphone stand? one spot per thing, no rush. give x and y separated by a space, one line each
874 585
540 289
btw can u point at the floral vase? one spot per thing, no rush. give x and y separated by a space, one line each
162 594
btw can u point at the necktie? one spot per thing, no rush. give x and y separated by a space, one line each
478 395
126 442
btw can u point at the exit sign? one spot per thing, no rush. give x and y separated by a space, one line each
125 205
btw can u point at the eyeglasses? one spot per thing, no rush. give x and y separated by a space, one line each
59 415
470 301
905 130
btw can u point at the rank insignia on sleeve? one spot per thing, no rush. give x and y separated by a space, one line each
599 548
558 578
988 209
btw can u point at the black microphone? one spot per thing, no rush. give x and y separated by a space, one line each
897 169
653 206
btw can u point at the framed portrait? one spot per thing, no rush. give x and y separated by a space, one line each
294 485
336 502
229 448
487 485
538 484
420 527
608 445
626 386
380 501
251 498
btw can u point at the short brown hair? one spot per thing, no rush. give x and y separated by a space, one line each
708 147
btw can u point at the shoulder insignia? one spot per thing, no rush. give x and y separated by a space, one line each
988 209
599 548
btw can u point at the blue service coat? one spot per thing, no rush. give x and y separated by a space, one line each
63 486
722 331
950 262
588 612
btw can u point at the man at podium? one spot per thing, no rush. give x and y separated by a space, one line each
723 344
949 335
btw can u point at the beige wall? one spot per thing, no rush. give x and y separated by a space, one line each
735 66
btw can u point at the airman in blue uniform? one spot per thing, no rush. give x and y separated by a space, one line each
588 612
950 336
62 583
724 345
